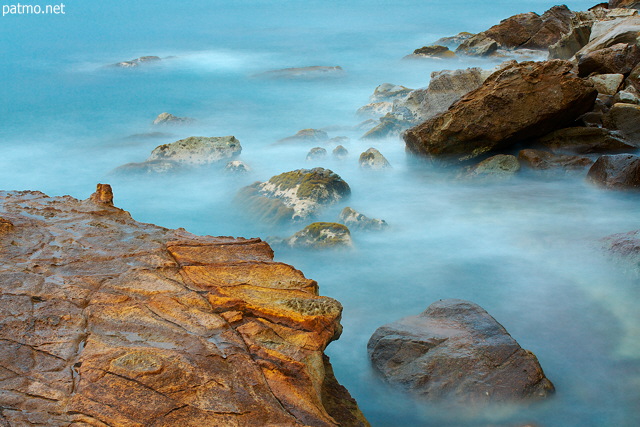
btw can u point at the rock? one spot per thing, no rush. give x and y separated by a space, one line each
627 96
366 125
608 33
634 77
620 58
5 225
294 195
316 153
498 166
584 140
170 119
607 84
570 43
108 321
617 171
373 159
538 159
304 73
388 127
150 167
355 220
198 150
103 195
626 119
339 140
532 31
388 92
237 166
150 135
456 350
519 102
478 45
340 152
321 235
433 51
376 109
624 3
625 245
306 135
137 62
454 41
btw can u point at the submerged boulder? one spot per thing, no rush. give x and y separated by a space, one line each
456 350
137 62
388 92
237 166
616 171
306 135
355 220
198 150
294 195
120 323
170 119
340 152
321 235
373 159
433 51
316 153
519 102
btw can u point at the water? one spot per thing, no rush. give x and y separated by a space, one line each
527 250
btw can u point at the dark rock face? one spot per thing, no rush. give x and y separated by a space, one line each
538 159
107 321
570 43
618 171
617 59
585 140
456 350
520 102
432 52
625 118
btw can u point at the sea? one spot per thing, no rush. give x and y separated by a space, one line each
529 249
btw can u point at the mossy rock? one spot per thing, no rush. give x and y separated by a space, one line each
318 184
321 235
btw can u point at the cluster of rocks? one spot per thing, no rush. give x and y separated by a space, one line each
108 321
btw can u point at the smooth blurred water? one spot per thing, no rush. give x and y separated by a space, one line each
528 250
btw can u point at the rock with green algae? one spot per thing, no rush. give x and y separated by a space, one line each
373 159
294 195
321 235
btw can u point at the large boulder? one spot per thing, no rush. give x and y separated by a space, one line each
570 43
520 102
106 321
620 58
293 196
198 150
618 171
608 33
607 84
456 350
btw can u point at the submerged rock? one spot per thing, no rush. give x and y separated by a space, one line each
373 159
170 119
294 195
538 159
237 166
375 109
321 235
519 102
316 153
304 73
388 92
120 323
453 42
137 62
306 135
498 166
340 152
456 350
433 51
617 171
198 150
355 220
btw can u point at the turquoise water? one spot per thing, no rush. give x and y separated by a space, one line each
527 250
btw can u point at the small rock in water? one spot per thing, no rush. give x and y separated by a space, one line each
375 109
307 135
498 166
170 119
355 220
433 51
453 42
237 166
340 152
316 153
456 350
617 171
388 92
373 159
321 235
137 62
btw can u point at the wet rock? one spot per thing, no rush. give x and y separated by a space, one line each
607 84
137 62
620 58
357 221
625 245
389 126
306 135
453 42
316 153
376 109
294 195
585 140
519 102
478 45
340 152
388 92
433 51
570 43
538 159
373 159
456 350
108 321
198 150
498 166
321 235
617 171
626 119
170 119
304 73
237 166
